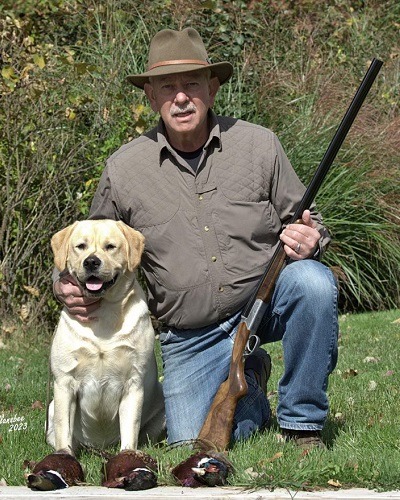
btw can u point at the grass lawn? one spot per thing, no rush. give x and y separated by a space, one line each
362 432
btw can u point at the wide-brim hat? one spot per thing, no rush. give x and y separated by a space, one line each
178 52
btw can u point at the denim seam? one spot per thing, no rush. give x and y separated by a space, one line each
334 310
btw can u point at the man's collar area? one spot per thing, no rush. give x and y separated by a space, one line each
164 146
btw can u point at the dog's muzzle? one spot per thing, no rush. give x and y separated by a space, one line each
93 284
92 264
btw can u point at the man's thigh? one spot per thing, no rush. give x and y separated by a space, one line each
196 362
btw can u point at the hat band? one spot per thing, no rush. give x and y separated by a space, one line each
178 61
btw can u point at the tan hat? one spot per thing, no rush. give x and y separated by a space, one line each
177 52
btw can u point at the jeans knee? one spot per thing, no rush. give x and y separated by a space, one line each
310 279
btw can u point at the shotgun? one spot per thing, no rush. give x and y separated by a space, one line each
217 427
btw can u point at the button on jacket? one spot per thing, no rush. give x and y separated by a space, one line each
209 234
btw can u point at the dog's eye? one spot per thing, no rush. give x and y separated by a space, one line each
81 246
110 246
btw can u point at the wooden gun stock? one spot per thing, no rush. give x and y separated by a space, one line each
215 432
217 428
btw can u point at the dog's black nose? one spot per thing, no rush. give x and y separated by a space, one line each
91 263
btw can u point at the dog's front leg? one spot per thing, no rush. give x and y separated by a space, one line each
130 416
64 413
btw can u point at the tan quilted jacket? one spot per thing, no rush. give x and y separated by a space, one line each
208 235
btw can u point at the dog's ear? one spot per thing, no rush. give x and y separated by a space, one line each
59 245
135 242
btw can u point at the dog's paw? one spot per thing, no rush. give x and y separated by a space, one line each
54 472
203 469
131 470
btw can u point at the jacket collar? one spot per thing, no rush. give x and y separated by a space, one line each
164 145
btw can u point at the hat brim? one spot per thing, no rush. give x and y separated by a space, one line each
223 71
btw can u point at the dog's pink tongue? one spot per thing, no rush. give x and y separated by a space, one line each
94 284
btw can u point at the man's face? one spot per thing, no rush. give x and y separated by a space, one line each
183 101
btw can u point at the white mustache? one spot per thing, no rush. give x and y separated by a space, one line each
188 108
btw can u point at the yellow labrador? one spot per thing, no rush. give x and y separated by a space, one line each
105 374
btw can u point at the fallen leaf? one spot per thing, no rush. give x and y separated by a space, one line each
32 290
276 456
389 373
39 61
396 321
334 483
8 72
3 482
70 113
371 359
37 405
271 459
350 372
339 417
252 473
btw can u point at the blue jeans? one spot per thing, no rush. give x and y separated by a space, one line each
303 314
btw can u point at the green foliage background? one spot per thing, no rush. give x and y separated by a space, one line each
65 107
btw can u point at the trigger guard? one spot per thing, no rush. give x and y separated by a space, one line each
252 344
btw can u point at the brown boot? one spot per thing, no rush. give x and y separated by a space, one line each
306 440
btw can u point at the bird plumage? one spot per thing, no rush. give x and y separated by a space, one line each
132 470
203 469
55 471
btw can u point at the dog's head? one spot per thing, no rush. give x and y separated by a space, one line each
97 253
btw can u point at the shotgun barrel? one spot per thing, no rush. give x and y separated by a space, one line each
325 163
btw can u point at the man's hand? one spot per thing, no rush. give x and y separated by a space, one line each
301 240
68 293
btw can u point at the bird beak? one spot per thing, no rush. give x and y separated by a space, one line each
199 471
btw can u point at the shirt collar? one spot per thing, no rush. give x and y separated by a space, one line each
165 147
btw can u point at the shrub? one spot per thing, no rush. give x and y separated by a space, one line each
65 108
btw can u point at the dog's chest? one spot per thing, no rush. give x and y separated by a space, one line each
98 360
102 376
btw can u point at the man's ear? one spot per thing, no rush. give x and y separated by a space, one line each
59 245
135 241
149 91
214 86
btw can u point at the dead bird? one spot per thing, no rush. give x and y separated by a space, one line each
203 469
56 471
130 470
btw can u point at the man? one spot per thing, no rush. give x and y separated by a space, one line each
213 197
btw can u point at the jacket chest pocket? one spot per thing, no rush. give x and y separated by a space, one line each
246 232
